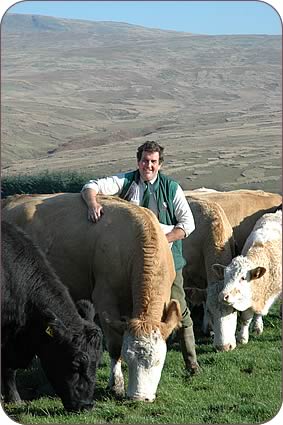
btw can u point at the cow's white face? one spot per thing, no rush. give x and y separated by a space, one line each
222 318
237 291
145 358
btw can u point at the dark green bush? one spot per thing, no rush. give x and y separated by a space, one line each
44 182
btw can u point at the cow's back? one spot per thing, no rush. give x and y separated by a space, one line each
49 220
79 250
242 208
212 241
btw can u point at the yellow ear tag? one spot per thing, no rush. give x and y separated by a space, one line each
49 331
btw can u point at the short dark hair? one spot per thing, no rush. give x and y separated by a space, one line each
150 146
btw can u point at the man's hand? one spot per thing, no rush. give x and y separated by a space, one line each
95 212
176 234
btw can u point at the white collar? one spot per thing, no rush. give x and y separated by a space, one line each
150 181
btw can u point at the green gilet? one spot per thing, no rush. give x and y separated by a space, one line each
165 189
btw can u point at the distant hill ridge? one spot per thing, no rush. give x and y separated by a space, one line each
15 22
79 93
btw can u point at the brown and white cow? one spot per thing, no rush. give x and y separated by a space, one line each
219 231
253 280
123 263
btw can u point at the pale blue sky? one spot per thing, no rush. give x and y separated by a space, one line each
199 17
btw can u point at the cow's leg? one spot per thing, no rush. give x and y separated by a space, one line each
114 345
258 324
245 320
206 323
116 379
9 387
107 306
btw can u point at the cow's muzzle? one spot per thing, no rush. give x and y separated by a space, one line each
79 406
225 347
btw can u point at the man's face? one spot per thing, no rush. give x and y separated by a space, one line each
149 165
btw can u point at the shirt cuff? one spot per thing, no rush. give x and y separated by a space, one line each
187 229
91 186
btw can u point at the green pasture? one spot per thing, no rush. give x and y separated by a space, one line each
241 386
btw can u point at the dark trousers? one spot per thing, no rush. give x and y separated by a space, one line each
178 293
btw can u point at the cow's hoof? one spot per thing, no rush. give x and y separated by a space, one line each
18 401
258 331
242 340
193 369
118 390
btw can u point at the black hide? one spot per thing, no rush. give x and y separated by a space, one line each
38 317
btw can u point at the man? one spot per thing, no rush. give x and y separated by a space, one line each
149 188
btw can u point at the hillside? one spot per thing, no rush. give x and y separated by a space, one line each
84 95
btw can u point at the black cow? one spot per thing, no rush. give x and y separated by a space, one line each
40 318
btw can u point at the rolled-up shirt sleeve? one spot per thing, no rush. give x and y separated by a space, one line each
183 213
107 186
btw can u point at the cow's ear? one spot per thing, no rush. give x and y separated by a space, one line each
257 273
171 318
86 310
54 327
218 270
94 334
117 325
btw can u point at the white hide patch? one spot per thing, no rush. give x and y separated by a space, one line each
237 290
145 358
268 304
223 319
268 228
116 378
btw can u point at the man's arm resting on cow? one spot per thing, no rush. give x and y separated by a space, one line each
175 234
95 210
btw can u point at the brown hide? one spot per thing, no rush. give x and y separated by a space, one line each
242 208
124 259
211 241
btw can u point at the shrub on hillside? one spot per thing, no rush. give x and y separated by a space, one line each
45 182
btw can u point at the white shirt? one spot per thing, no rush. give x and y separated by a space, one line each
113 186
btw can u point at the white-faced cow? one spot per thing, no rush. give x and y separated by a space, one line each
123 263
223 222
38 317
253 280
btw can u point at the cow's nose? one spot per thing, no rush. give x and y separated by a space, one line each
79 406
142 398
225 347
223 297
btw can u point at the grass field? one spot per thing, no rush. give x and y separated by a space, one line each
242 386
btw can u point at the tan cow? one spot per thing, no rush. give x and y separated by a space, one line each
123 263
242 207
212 239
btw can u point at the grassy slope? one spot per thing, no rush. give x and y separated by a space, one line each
242 386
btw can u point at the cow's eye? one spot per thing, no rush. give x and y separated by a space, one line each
75 365
243 278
